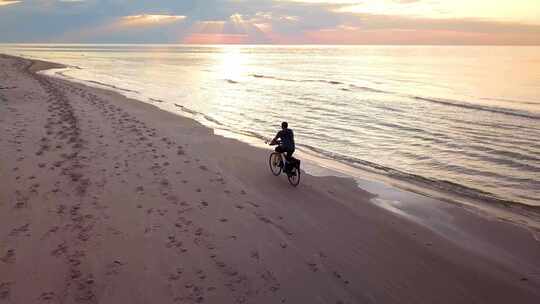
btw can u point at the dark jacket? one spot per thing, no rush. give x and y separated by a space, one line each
287 138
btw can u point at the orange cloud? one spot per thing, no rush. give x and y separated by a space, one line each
234 30
197 38
148 19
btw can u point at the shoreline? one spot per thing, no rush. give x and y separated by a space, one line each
475 200
453 191
305 220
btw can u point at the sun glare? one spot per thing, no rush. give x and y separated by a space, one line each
8 2
232 63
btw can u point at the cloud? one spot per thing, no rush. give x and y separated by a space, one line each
524 11
235 30
269 21
149 19
6 2
388 29
472 25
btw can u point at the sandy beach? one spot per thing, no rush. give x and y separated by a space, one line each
105 199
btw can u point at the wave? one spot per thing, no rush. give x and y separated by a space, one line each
369 89
196 113
444 186
333 82
186 109
64 75
112 86
349 87
425 182
514 101
466 105
471 106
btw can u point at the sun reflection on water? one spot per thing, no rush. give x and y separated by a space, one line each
232 64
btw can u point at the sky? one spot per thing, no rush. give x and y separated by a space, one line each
434 22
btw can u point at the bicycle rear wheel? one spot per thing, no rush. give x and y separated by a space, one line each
274 161
294 176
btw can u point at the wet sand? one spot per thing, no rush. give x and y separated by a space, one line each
109 200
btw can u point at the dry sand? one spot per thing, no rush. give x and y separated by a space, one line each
109 200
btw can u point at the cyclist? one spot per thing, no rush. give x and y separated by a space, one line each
286 143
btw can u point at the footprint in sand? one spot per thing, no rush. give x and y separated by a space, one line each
253 204
60 250
9 257
21 230
114 268
199 231
47 296
173 242
270 281
21 201
175 276
52 230
254 254
340 277
173 199
5 290
200 274
60 209
313 266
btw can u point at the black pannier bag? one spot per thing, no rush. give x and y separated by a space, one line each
293 163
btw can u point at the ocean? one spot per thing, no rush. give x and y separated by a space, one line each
461 119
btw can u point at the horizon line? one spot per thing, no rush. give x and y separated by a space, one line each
258 44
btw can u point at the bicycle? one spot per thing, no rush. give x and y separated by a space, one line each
277 164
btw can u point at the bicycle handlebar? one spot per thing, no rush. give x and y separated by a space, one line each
269 142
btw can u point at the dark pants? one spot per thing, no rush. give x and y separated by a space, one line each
288 152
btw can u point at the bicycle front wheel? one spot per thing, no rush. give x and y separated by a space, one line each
275 161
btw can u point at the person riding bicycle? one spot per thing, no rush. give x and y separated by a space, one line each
286 143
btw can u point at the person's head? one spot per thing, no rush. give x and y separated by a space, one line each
284 125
